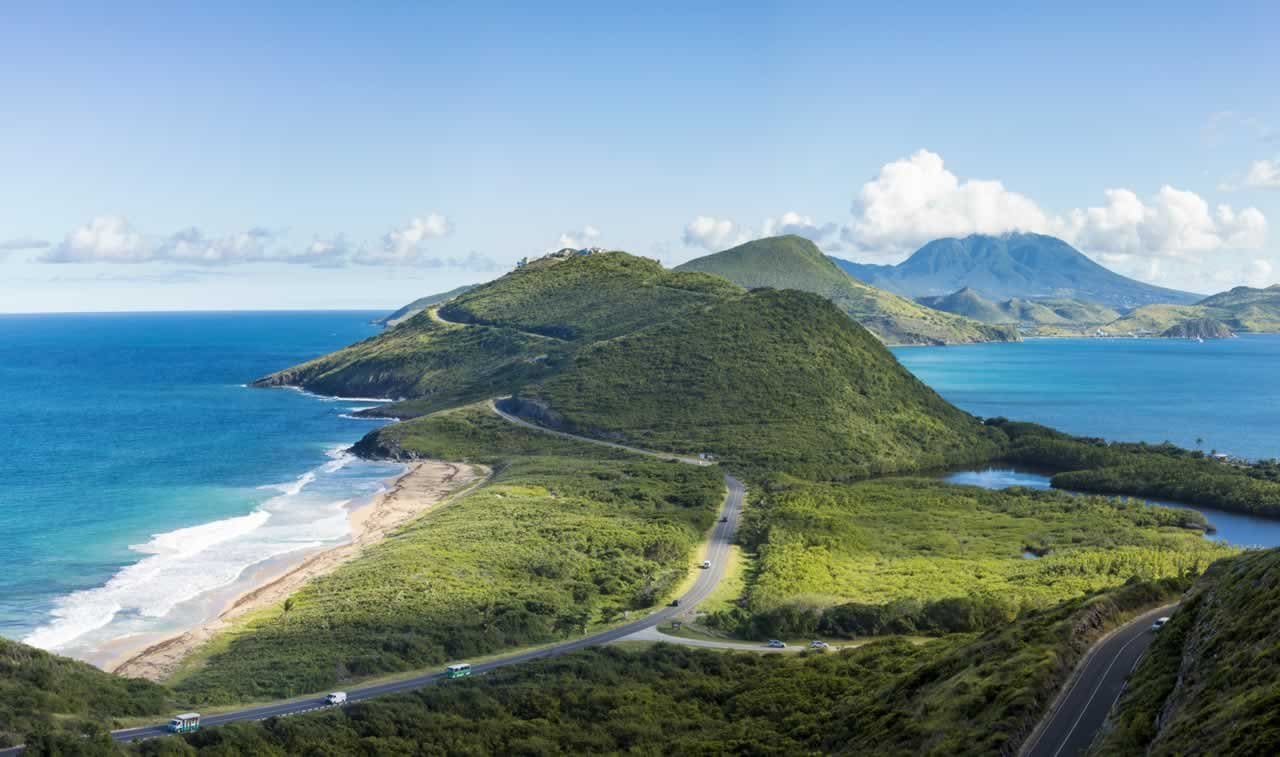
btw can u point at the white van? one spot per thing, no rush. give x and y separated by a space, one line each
336 698
706 563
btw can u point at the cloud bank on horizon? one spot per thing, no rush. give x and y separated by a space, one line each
917 199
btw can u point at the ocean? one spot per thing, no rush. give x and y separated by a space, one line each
1219 395
140 478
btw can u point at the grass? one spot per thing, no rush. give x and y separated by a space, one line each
555 545
965 694
1207 685
792 262
913 554
773 381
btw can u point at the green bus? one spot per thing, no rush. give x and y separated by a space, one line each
187 722
461 670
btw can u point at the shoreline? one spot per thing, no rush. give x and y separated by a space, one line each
412 494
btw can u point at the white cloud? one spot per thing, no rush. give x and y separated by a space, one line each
916 199
106 239
1263 174
715 234
1174 223
406 245
587 236
792 222
1259 273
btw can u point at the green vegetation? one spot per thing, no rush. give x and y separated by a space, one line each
920 556
1208 683
51 700
775 381
421 304
1199 328
1162 471
962 695
1042 316
586 298
521 328
562 540
1241 310
1030 266
792 262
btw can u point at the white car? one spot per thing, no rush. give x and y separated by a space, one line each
336 698
776 644
706 563
1156 626
819 644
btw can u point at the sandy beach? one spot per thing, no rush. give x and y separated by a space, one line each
416 492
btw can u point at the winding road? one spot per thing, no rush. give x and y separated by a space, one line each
717 552
1074 720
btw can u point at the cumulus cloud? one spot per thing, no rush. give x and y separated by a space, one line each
408 244
1263 174
587 236
112 239
792 222
916 199
715 234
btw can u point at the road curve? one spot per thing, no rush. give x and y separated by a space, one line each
1071 726
717 552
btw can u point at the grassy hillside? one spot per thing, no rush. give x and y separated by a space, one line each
792 262
54 697
921 556
585 298
520 328
1208 685
1029 266
421 304
772 380
567 536
1242 309
962 695
1049 316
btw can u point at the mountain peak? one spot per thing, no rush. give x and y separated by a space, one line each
1017 264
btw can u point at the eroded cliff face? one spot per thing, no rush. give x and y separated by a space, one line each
1199 328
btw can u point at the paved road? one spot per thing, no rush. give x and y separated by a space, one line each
1078 714
717 552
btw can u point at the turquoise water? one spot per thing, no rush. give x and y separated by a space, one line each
1225 393
139 478
1233 528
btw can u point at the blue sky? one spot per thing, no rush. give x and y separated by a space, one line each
224 156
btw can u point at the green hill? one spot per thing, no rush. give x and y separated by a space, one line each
419 305
1242 310
1031 266
519 328
1056 313
52 696
792 262
1208 684
777 380
1199 328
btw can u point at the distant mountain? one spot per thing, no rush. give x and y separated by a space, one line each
1056 312
419 305
1031 266
793 262
1242 309
1199 328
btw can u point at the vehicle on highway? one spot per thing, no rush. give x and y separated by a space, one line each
675 603
336 698
1156 626
819 644
706 563
777 644
724 519
461 670
187 722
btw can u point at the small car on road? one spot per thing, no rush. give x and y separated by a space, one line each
706 563
777 644
336 698
819 644
1156 626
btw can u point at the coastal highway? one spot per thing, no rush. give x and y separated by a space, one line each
717 552
1080 711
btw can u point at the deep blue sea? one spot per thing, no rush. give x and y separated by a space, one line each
140 479
1219 395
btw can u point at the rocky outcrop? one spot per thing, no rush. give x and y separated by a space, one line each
1199 328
